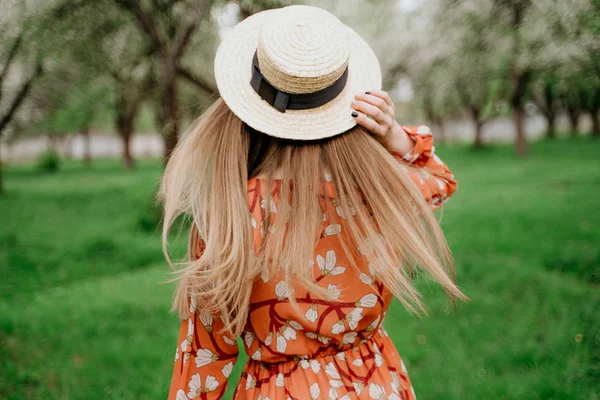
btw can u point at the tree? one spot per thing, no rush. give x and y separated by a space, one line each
129 94
546 96
473 71
169 38
13 60
567 64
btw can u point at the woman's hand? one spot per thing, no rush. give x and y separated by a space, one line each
382 123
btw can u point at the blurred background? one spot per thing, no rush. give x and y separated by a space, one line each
94 95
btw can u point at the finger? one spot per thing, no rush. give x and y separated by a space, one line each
371 125
383 95
374 100
369 109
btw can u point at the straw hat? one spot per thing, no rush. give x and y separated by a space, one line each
292 72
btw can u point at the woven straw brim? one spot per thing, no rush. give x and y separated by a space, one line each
233 70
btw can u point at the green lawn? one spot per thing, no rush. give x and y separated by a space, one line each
84 313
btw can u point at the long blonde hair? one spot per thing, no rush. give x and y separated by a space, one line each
206 179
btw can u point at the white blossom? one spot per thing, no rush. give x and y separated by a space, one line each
368 300
338 327
353 317
181 395
328 266
279 381
334 292
248 338
226 370
376 392
312 313
332 229
281 290
349 337
205 357
256 354
315 392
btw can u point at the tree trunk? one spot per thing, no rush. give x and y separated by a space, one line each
87 147
478 125
573 121
169 112
521 145
550 112
519 83
441 129
127 157
478 144
519 80
125 122
551 126
1 176
595 125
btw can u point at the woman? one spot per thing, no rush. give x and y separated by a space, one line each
312 209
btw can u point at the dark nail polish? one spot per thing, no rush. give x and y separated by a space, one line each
354 114
368 92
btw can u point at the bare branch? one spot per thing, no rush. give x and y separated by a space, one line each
201 83
186 33
11 55
20 97
146 22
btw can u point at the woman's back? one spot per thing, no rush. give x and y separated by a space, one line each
333 348
302 273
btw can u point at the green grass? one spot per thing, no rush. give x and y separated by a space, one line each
84 315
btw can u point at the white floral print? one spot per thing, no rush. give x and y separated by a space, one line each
321 338
334 374
269 339
377 392
315 391
196 388
250 382
358 387
349 337
332 229
371 327
205 357
314 365
284 334
370 278
227 369
333 291
353 317
368 300
229 340
338 327
256 354
312 313
281 290
328 266
272 205
248 338
279 381
423 130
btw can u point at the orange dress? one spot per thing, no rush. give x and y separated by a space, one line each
337 350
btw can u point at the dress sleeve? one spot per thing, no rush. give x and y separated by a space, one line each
204 358
430 174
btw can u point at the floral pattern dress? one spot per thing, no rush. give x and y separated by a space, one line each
338 349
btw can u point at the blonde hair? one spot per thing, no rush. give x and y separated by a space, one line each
206 179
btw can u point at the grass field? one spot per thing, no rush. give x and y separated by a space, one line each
84 315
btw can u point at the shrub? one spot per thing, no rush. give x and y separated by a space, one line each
49 161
